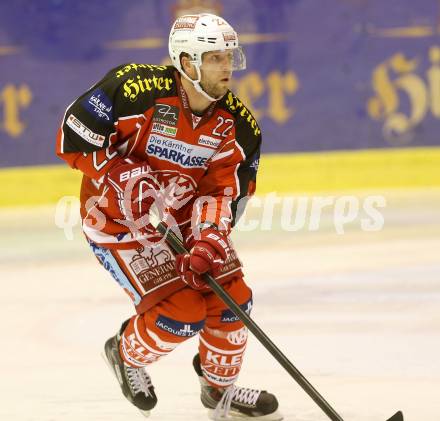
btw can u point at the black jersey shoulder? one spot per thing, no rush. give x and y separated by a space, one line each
140 82
247 130
127 90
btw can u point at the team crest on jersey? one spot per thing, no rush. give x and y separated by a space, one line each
164 129
166 114
177 189
178 152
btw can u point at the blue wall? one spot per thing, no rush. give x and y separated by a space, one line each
321 75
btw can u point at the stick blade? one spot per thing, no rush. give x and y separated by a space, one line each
398 416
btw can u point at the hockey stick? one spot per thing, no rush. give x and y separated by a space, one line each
174 241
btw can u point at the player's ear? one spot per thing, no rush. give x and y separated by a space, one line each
187 66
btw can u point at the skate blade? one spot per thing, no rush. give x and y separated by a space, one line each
146 414
236 416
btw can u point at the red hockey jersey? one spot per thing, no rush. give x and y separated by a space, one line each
142 111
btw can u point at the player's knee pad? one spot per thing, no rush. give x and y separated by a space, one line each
155 333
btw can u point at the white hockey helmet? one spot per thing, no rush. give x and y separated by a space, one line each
198 34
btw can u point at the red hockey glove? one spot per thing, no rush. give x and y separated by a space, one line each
131 192
192 279
208 253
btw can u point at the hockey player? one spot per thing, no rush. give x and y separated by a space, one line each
177 136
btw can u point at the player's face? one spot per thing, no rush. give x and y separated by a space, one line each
216 71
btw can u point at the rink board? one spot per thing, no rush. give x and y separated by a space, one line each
281 173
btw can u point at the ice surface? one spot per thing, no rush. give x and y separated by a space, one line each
358 314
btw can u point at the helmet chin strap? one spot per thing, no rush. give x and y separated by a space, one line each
198 87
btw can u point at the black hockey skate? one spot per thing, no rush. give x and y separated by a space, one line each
135 382
236 403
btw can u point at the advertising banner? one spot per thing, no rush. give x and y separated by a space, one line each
340 75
